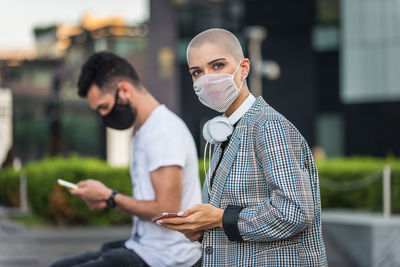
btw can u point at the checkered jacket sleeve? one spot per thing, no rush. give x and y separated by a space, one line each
290 208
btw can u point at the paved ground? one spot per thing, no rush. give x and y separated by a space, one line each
37 247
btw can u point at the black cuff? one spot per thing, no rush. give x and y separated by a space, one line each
230 222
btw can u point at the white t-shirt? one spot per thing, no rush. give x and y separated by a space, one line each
163 140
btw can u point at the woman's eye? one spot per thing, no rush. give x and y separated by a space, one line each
218 65
195 73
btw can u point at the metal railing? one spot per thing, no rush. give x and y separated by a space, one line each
344 186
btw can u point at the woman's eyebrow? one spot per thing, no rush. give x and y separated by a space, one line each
215 60
208 63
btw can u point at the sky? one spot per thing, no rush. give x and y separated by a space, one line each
19 17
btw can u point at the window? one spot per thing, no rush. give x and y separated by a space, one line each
370 59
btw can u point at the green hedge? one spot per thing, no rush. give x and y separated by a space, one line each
55 204
351 171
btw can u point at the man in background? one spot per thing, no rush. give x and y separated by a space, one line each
164 169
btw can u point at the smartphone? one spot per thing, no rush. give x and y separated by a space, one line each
164 215
67 184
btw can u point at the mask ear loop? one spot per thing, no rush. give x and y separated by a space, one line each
233 77
234 73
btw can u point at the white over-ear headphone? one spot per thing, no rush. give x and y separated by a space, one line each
218 129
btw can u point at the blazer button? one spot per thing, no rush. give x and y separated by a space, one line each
209 250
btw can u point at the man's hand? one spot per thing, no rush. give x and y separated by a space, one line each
195 220
91 191
98 205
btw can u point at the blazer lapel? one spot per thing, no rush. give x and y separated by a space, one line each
218 153
225 165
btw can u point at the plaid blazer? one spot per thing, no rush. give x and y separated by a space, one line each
267 170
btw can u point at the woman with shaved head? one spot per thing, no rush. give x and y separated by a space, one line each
261 202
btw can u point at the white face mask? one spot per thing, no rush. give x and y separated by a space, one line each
217 91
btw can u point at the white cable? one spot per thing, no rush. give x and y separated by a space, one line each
204 164
207 178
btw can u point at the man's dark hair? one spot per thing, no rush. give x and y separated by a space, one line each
104 69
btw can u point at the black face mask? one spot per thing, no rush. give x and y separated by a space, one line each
120 117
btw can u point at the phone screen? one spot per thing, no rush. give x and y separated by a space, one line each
165 215
66 184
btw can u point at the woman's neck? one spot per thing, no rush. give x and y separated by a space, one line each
238 101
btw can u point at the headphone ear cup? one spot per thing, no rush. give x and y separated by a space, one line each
219 129
206 132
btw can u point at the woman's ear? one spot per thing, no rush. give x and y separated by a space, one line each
245 68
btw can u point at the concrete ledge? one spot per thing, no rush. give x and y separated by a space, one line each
20 260
356 238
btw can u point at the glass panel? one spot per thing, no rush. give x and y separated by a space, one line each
371 51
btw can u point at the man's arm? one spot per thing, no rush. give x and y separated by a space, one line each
167 184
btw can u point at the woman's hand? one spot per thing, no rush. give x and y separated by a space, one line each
195 220
194 236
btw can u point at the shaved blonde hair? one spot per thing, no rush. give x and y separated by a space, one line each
222 38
